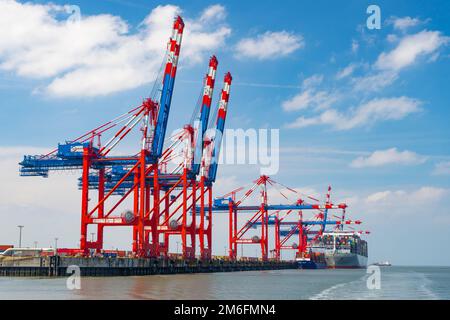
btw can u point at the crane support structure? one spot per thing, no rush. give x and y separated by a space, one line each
264 215
164 189
161 198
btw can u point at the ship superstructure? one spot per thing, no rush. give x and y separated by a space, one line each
341 249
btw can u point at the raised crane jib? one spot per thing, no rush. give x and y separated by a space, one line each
170 71
201 121
220 125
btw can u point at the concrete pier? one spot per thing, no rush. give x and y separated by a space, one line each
56 266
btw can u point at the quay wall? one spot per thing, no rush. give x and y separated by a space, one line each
56 266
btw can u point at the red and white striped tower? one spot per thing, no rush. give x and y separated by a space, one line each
201 124
220 125
174 46
264 220
210 81
325 213
170 71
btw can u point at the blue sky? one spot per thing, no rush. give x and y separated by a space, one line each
363 110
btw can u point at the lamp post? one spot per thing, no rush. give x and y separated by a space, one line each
56 246
20 235
35 244
177 246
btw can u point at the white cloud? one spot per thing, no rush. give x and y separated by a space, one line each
442 168
33 191
298 102
410 48
374 82
355 46
399 218
392 205
321 150
386 157
378 196
420 196
320 100
269 45
47 207
98 55
385 70
345 72
312 82
405 23
383 73
310 96
392 38
224 184
214 12
366 114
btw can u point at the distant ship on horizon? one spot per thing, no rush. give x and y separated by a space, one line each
382 264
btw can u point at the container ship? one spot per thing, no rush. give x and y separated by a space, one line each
334 250
342 249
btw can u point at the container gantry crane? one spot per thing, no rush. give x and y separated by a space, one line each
161 200
266 214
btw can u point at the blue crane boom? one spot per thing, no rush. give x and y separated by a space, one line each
69 155
202 122
220 125
170 71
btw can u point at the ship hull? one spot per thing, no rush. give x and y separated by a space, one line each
311 265
345 260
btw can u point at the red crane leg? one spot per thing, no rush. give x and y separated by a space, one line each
101 208
184 215
193 226
300 228
231 238
209 230
136 211
263 232
201 233
85 198
265 222
147 212
230 232
277 238
166 219
266 244
155 217
141 231
235 248
147 200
